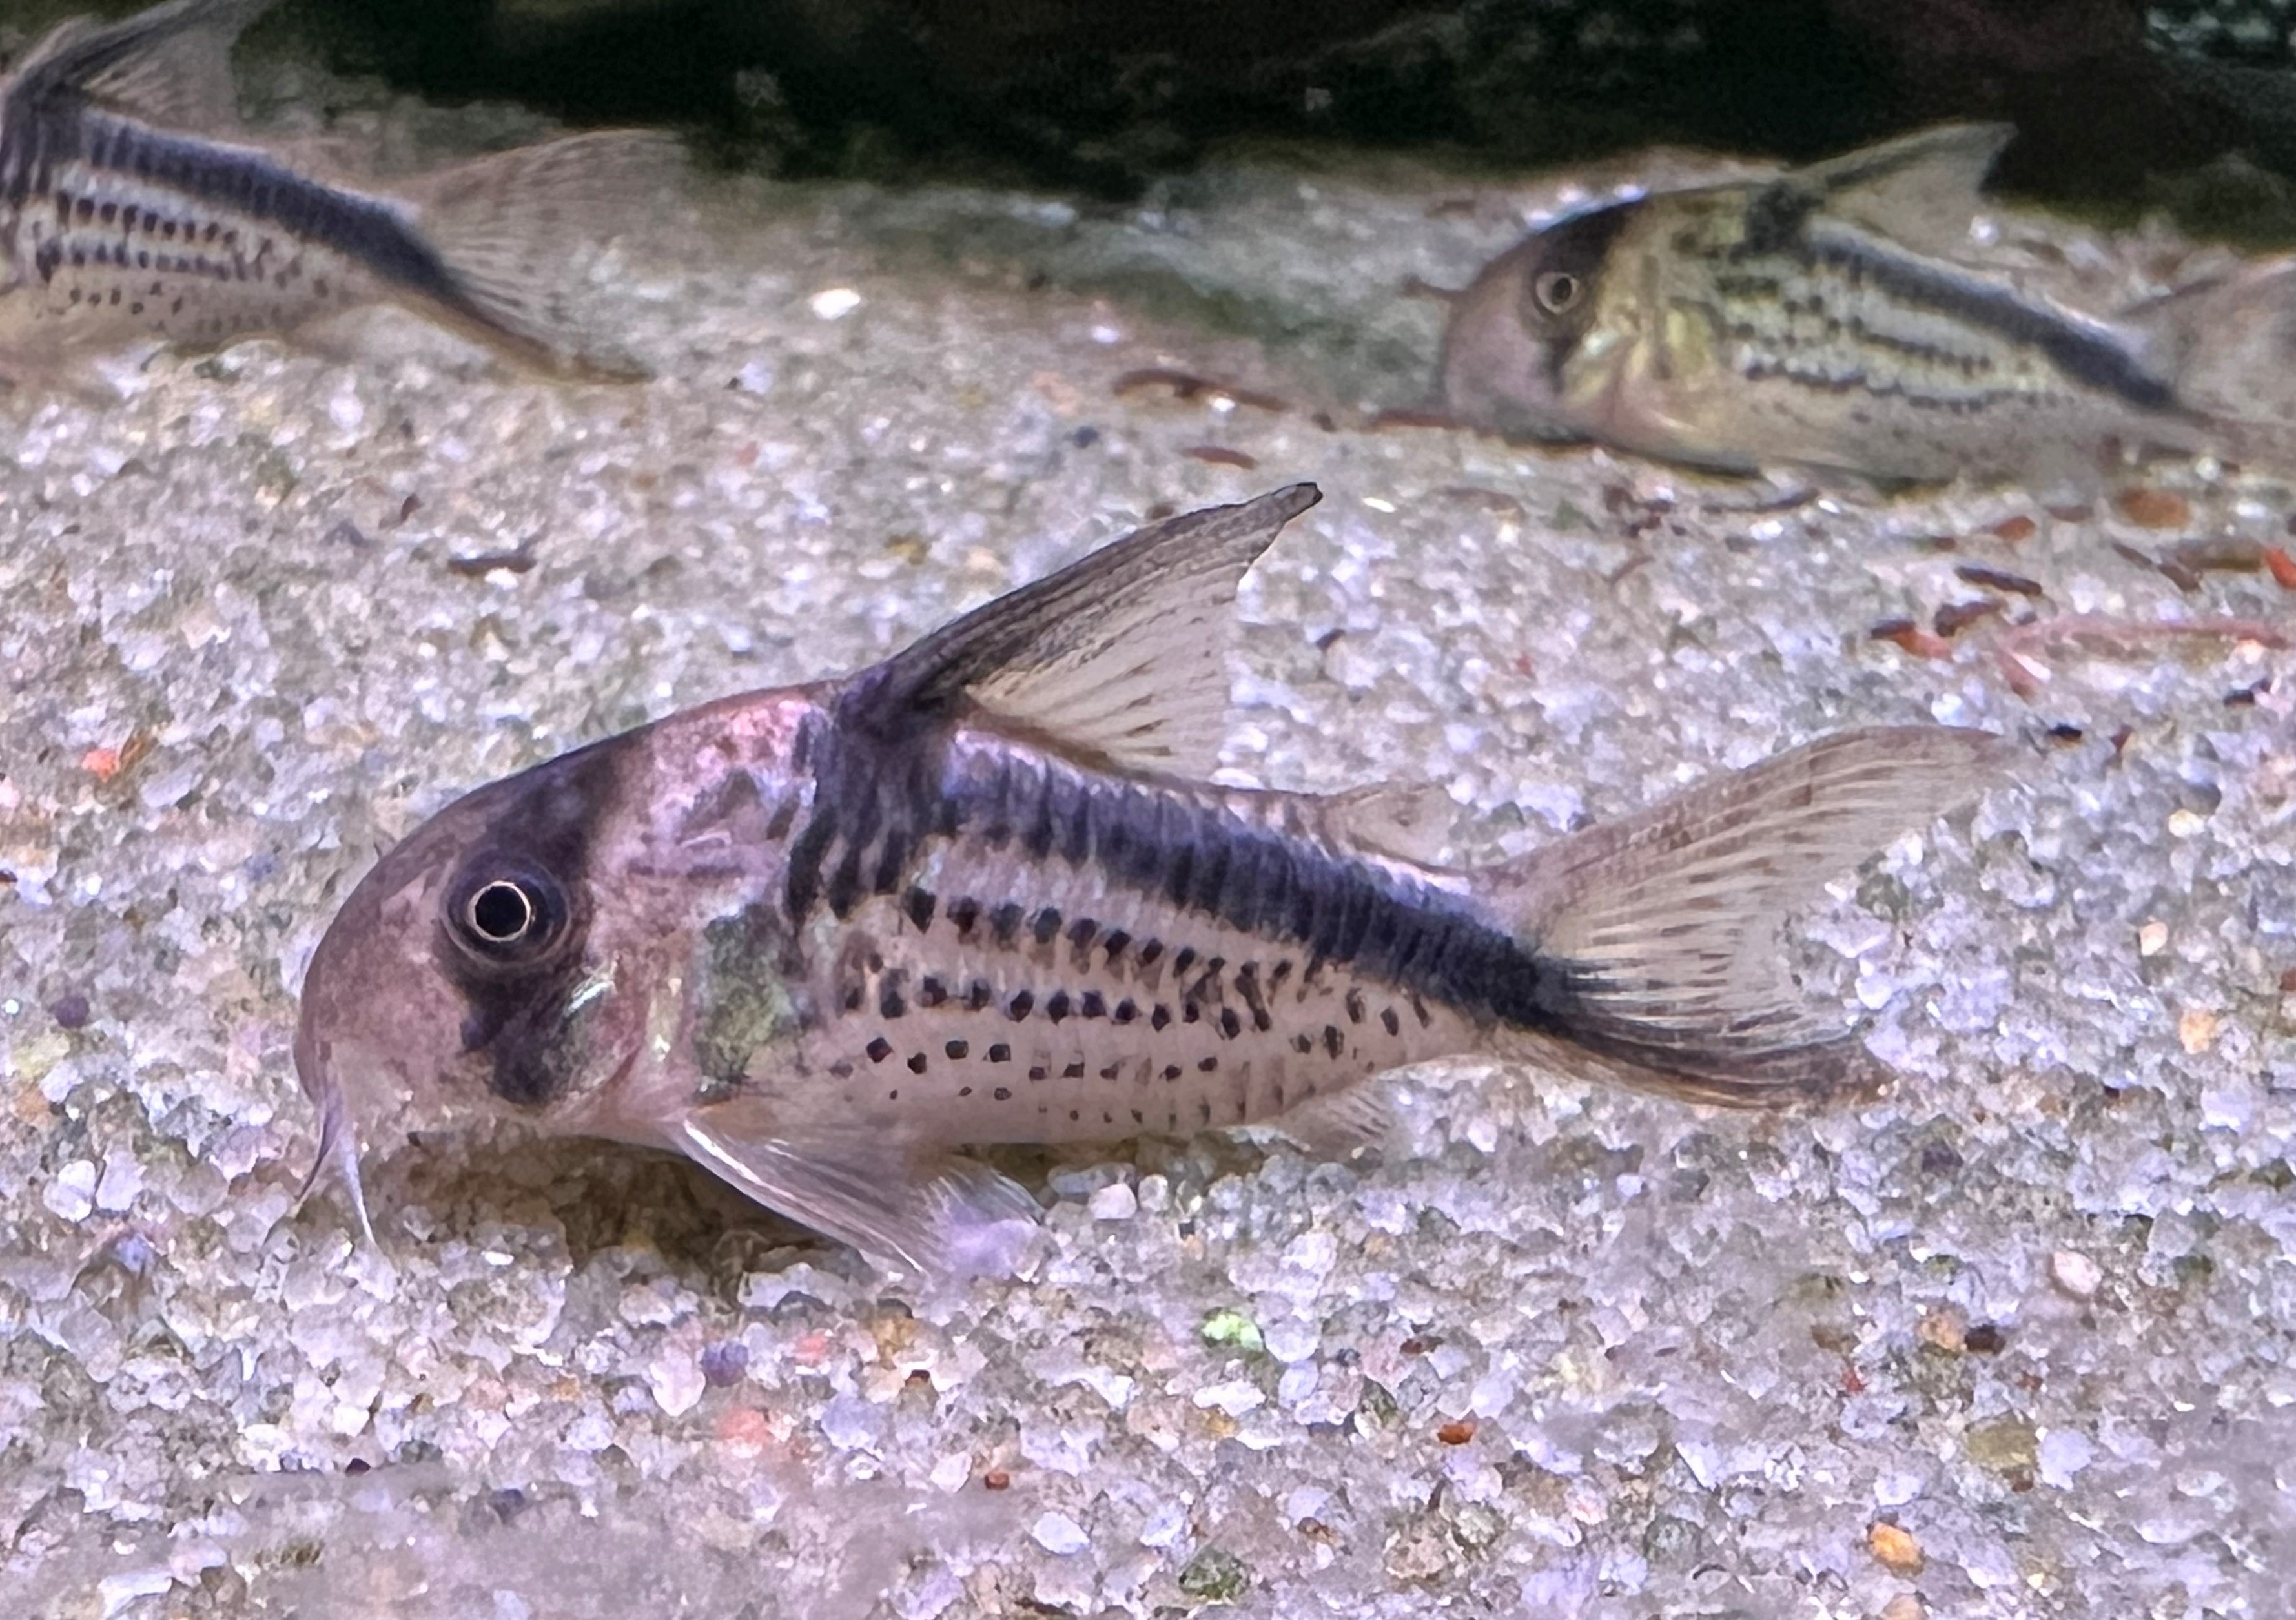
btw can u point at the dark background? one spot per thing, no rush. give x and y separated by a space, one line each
2121 105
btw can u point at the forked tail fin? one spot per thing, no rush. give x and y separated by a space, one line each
507 228
2228 345
1662 931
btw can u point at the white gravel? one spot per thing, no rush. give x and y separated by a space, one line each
1579 1353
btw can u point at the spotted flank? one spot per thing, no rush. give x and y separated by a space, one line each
126 213
823 939
1818 319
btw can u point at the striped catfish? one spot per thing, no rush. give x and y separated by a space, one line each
123 219
821 938
1817 320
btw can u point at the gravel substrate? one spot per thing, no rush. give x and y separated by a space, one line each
2014 1340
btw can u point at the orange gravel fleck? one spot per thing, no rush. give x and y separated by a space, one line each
1895 1546
1913 638
2154 508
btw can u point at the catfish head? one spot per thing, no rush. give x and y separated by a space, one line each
523 954
1519 322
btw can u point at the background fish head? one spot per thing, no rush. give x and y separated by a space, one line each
1516 328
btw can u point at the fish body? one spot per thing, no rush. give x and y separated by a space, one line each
823 937
1809 320
119 221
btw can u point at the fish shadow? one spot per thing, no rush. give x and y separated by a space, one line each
605 1196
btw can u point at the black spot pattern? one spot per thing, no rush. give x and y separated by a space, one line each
46 125
887 789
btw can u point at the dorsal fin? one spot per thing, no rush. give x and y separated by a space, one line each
1121 655
170 64
1920 189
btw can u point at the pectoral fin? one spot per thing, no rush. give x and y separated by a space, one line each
934 1217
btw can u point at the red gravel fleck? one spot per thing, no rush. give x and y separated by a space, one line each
1186 385
1912 637
1457 1432
1381 420
1997 579
2154 508
1220 455
1956 616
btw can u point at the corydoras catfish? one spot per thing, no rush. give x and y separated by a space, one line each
821 938
122 219
1813 320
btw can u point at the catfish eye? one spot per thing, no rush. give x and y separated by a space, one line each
502 912
508 914
1557 291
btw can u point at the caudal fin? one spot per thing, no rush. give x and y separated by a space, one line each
1663 930
509 227
2227 346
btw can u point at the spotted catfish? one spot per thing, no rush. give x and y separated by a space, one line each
819 938
122 218
1816 319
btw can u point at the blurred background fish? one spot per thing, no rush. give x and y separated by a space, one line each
1815 319
120 220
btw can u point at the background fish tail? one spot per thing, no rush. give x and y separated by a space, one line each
2228 346
1662 931
509 227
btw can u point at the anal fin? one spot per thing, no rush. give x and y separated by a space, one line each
1336 1124
937 1216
